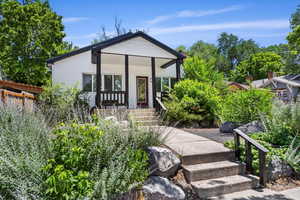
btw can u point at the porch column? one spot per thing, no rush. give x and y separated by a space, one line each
178 63
98 80
127 81
153 81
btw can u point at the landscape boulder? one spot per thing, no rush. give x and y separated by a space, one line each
278 168
227 127
161 188
163 162
252 127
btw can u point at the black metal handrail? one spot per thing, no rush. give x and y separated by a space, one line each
249 142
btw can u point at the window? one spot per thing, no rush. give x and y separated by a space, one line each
164 83
89 82
158 84
112 82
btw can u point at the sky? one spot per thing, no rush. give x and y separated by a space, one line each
179 22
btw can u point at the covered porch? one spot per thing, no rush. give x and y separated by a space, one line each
127 71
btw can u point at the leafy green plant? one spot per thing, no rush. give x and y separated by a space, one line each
244 106
193 101
292 155
24 150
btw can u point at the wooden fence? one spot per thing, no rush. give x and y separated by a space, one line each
21 100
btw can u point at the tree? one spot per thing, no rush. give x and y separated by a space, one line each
30 33
295 18
257 66
203 50
233 50
182 49
103 35
196 68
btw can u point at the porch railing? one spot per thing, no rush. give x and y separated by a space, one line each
249 142
113 98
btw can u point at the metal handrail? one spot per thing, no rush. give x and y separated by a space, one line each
249 142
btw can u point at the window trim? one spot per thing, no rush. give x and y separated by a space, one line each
94 81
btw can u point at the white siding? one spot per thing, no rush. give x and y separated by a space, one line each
69 72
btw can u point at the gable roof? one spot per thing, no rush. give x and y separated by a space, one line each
115 40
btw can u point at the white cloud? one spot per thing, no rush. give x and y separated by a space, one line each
74 19
262 24
193 13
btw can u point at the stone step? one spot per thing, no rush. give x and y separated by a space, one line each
201 158
212 170
141 114
142 110
145 117
148 123
225 185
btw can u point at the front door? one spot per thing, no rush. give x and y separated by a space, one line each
142 91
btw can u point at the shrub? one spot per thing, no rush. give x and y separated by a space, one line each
245 105
283 123
60 103
292 155
97 160
24 150
192 100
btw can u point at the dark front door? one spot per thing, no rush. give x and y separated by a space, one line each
142 91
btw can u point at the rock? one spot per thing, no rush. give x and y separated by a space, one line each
111 118
161 188
252 127
277 168
181 181
227 127
163 162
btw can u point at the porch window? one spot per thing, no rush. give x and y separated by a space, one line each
164 83
89 82
112 82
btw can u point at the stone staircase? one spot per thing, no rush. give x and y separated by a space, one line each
144 117
208 166
215 174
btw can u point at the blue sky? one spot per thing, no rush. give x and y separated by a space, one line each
179 22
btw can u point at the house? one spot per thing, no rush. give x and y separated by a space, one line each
130 70
286 88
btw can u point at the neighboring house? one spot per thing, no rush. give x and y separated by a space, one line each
130 70
286 88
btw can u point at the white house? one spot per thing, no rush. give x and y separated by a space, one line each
129 70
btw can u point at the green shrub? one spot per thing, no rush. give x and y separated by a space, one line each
292 155
61 103
259 137
24 150
97 160
283 123
244 106
193 101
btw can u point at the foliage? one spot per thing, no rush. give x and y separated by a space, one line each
273 151
198 69
244 106
292 155
295 18
24 149
257 66
30 33
203 50
283 123
97 160
193 100
59 103
294 40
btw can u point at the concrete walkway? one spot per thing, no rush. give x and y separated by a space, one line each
187 144
265 194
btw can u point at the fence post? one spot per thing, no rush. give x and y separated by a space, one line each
237 146
248 157
262 168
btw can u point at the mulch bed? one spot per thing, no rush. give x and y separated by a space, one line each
284 183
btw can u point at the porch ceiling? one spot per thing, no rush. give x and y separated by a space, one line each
133 60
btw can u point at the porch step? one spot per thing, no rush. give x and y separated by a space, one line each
145 117
148 123
212 170
141 110
208 157
219 186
